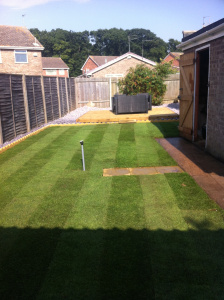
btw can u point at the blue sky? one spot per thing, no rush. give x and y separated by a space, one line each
165 18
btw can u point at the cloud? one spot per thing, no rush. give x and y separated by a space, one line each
21 4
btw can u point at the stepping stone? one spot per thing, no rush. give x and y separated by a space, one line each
141 171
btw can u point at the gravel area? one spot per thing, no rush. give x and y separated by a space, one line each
71 118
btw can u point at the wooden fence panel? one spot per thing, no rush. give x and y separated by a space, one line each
71 93
6 108
172 87
18 104
35 101
63 98
93 91
48 99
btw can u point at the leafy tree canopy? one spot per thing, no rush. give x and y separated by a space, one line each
143 80
75 47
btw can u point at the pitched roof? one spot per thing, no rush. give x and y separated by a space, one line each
204 35
14 37
175 55
99 60
203 30
53 63
118 58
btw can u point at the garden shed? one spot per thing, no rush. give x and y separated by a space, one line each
202 87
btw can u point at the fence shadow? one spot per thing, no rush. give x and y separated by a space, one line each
44 263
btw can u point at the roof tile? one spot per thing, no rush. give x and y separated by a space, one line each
15 36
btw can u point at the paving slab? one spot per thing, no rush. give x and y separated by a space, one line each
141 171
207 171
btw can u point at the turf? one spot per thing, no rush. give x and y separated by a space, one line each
69 234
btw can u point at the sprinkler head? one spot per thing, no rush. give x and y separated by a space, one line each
81 142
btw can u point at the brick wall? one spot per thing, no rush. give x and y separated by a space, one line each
121 67
90 65
215 122
33 67
175 62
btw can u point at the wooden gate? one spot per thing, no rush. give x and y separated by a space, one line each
186 95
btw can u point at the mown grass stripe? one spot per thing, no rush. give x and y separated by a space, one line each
160 209
52 212
91 144
126 151
38 187
126 261
7 156
37 143
14 183
149 152
78 254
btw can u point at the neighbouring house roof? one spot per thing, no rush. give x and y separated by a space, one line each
175 55
204 35
117 59
53 63
99 60
15 37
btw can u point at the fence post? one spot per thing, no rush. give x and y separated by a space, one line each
43 96
110 92
1 134
76 91
66 90
59 100
26 104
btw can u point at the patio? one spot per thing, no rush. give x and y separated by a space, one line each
107 116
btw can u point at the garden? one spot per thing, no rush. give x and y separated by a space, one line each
73 234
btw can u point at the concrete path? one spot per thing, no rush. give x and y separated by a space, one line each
207 171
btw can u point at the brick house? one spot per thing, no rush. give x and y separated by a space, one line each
202 88
174 57
20 51
93 62
119 66
54 66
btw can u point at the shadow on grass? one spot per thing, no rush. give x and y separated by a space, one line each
111 264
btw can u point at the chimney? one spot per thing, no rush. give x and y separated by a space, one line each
188 32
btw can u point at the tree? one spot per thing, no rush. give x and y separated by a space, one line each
172 45
75 47
143 80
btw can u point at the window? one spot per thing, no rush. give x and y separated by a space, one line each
21 56
51 72
114 75
61 72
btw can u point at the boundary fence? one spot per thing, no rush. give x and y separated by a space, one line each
27 102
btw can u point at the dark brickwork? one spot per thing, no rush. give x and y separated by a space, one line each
215 122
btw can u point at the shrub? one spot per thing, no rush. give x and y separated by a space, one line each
143 80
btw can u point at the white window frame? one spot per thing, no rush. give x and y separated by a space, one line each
21 52
61 72
51 72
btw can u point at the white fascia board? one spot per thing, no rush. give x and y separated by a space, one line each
205 37
21 48
86 62
111 62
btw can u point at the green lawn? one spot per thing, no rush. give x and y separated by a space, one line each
69 234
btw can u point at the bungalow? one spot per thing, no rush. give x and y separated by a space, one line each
119 66
54 66
202 88
20 51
